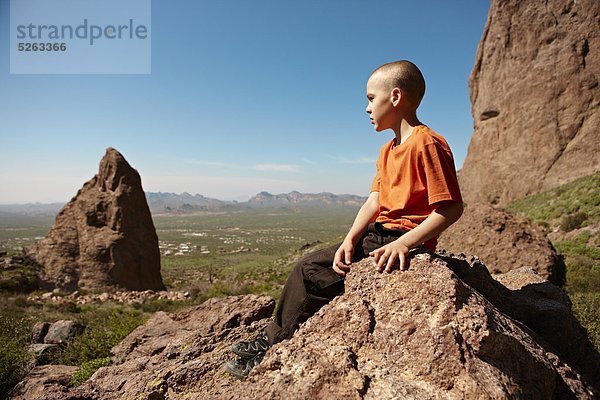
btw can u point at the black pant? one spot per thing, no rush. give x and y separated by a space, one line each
313 282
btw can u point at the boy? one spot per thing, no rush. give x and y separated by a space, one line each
414 197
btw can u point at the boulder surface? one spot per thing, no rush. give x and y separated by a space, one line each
535 99
444 329
504 242
104 237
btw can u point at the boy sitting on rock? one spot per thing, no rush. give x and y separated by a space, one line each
414 197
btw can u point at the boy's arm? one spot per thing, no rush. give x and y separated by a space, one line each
343 256
440 219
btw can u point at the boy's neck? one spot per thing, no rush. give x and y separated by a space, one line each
405 128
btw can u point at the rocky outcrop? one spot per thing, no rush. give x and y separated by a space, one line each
535 99
104 236
444 329
504 242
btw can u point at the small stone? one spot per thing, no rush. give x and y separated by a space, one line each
43 352
39 331
60 332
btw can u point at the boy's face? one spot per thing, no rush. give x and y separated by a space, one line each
380 107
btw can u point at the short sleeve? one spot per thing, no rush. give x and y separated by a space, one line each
375 187
440 174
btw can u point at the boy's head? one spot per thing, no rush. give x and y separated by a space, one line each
394 90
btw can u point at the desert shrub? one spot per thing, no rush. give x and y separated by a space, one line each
87 369
579 245
15 333
19 279
219 289
104 329
154 305
572 221
583 275
585 307
66 308
569 207
579 196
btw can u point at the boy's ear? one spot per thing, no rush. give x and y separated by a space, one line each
396 96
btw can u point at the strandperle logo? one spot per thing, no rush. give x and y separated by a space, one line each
84 31
80 36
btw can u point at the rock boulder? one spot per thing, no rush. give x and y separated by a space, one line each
444 329
62 331
535 99
104 236
503 242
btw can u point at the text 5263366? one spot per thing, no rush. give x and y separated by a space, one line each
27 46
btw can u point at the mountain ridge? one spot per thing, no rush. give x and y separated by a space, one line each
184 203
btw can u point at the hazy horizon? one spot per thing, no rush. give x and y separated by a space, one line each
190 193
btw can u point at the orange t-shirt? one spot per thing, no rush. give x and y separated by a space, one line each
412 178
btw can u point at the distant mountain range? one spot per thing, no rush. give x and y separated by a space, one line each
31 209
160 202
185 203
297 198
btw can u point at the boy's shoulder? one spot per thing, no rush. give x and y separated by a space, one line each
421 137
426 136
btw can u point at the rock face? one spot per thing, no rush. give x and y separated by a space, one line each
503 242
444 329
104 236
535 99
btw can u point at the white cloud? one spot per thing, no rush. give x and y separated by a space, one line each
308 161
212 163
208 163
277 167
361 160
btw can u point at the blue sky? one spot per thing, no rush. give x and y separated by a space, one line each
243 97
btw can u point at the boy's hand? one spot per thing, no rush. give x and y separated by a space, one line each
386 256
343 258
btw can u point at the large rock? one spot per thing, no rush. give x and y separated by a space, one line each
535 97
444 329
104 236
503 242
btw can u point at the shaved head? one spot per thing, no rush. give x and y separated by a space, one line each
405 76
